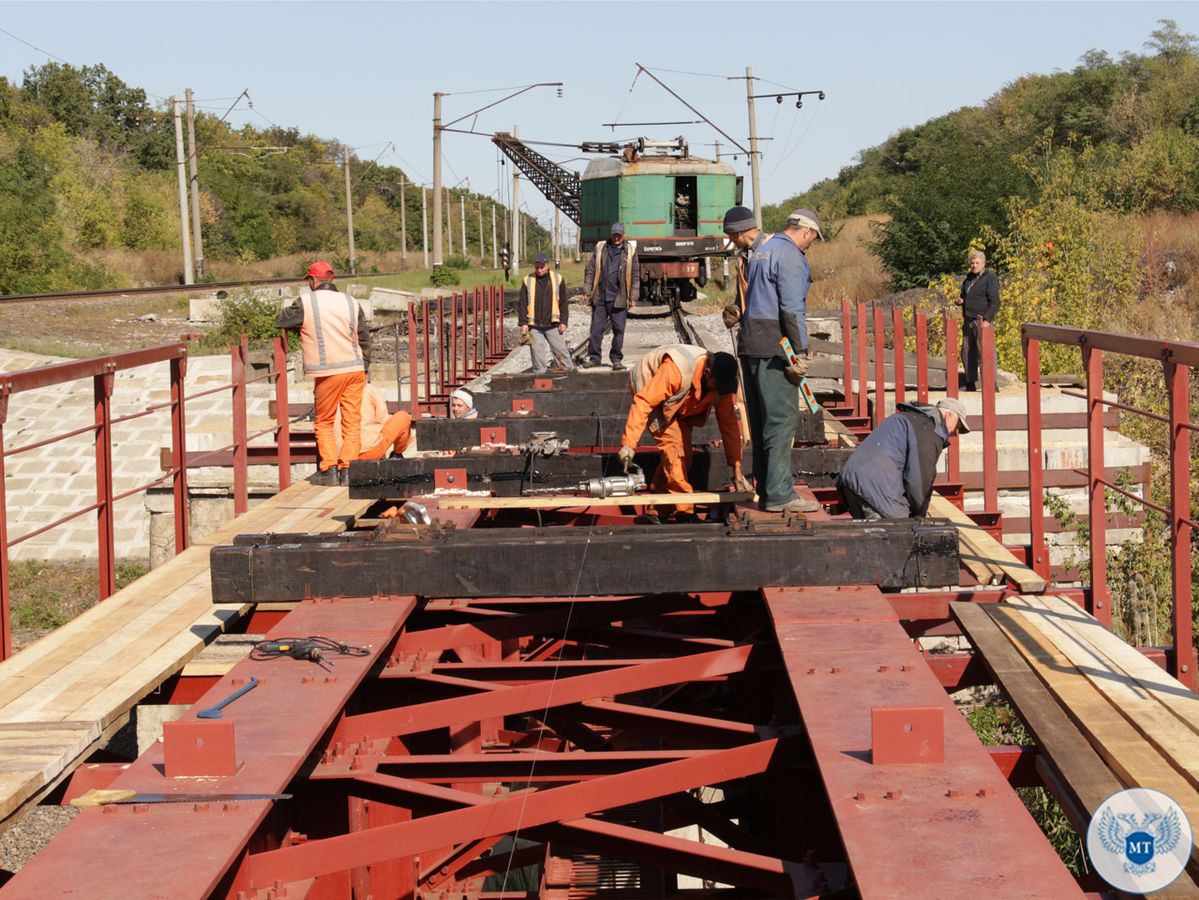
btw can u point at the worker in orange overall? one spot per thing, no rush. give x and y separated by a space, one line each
335 342
382 432
673 389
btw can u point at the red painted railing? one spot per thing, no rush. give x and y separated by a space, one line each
102 370
1178 361
451 340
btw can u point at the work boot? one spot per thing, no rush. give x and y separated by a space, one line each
798 505
343 476
324 477
618 366
589 363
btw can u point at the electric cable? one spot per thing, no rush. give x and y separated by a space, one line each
315 648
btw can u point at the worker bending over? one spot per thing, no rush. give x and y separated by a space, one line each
890 474
336 344
673 389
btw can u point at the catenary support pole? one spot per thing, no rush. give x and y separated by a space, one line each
437 256
345 164
515 212
183 214
194 183
424 222
403 224
753 145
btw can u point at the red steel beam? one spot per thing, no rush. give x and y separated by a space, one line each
508 701
504 816
846 655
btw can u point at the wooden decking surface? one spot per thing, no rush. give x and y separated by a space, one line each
64 695
1103 715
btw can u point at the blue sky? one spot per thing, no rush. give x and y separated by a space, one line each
364 73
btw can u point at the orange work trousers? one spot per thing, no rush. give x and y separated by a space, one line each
674 444
332 393
397 431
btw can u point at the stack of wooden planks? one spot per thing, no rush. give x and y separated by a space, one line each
987 559
1103 715
66 694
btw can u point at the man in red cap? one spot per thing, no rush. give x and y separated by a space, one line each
335 342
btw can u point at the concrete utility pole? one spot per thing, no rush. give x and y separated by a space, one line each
437 258
345 164
557 237
403 224
195 186
424 223
463 217
482 242
183 217
495 247
753 145
516 211
449 224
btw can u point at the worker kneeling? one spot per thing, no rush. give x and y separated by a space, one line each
890 475
673 389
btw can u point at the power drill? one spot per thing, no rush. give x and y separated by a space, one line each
805 389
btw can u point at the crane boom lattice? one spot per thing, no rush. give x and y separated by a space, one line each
560 185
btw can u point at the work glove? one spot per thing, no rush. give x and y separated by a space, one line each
731 315
625 456
796 371
524 340
741 483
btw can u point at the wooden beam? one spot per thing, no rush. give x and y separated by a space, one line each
570 502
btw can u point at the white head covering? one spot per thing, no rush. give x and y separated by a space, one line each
465 396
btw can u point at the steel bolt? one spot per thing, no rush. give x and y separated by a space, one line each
884 668
861 796
330 679
811 671
199 807
893 795
305 680
953 792
109 810
835 670
905 668
986 792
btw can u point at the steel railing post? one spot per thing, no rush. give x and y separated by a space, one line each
241 497
990 462
863 364
413 374
454 339
899 354
399 379
880 368
922 357
442 380
424 342
1039 550
1177 377
951 390
103 385
282 413
5 581
847 356
1092 360
466 373
179 452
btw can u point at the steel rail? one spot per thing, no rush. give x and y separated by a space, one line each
161 289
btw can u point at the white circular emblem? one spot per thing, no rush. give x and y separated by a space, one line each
1139 840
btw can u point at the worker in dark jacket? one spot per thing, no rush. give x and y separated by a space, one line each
542 314
980 302
890 475
612 283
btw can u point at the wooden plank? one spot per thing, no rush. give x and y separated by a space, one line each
116 699
221 655
1165 732
1170 692
1126 752
571 502
1086 776
15 789
980 548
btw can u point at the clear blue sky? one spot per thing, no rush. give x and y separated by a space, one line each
364 73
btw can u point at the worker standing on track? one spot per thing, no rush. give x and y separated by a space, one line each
335 342
776 290
890 474
543 313
673 389
612 282
743 233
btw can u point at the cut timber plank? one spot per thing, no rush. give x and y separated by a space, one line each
573 502
1126 752
1170 692
1171 737
221 655
1085 775
979 548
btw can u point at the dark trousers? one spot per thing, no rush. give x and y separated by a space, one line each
972 352
772 406
601 315
858 507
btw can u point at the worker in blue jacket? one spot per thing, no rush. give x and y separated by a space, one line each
776 294
890 475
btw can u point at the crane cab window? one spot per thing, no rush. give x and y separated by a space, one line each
685 206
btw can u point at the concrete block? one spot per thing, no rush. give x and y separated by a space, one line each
390 299
150 718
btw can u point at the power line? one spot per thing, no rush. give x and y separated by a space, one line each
34 47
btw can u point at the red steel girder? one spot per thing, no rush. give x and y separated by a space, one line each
503 816
184 850
524 698
842 667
